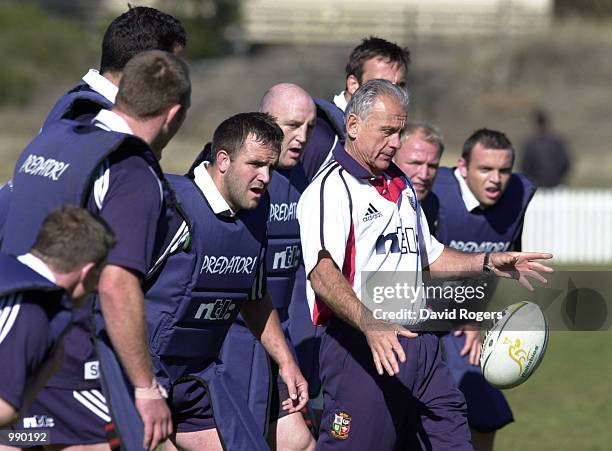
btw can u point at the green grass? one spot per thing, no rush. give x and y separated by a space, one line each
565 405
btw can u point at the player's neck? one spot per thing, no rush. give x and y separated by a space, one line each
113 77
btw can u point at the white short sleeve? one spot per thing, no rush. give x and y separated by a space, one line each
324 214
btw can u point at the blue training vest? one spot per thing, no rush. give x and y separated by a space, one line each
16 277
284 248
198 293
242 354
334 116
493 229
58 168
79 101
196 297
328 135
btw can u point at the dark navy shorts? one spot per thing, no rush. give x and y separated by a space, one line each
487 407
420 408
72 417
190 406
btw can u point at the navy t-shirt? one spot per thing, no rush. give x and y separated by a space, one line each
131 206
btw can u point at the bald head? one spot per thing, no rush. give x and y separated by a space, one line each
295 113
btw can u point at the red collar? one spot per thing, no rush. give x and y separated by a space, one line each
389 188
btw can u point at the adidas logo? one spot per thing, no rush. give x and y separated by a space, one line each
372 213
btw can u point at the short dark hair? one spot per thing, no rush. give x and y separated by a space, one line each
374 47
136 30
232 133
71 236
490 139
152 82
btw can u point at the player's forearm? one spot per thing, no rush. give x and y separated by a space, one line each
262 320
122 306
457 263
332 287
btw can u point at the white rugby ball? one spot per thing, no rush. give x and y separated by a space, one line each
514 347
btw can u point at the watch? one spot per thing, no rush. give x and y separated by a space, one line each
485 263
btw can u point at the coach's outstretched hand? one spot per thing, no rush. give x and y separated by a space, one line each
157 420
297 387
520 266
383 339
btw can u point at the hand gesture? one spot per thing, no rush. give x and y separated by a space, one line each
519 266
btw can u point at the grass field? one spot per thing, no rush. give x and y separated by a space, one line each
566 404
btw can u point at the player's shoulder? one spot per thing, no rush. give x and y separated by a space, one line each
331 186
445 176
132 170
520 188
523 180
329 178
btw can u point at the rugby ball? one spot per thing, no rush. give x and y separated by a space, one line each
514 346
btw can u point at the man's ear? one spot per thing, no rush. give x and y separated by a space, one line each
87 272
172 113
352 84
222 160
86 282
352 126
462 165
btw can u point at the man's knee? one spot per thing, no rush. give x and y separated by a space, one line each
292 434
198 440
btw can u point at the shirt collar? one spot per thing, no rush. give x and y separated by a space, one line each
356 170
340 101
207 186
112 122
470 201
37 265
101 85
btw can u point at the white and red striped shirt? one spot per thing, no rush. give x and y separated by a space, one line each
367 224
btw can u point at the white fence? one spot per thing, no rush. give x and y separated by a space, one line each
348 21
574 224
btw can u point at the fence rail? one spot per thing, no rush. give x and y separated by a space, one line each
574 224
318 21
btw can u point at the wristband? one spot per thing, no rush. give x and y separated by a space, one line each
485 263
155 391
